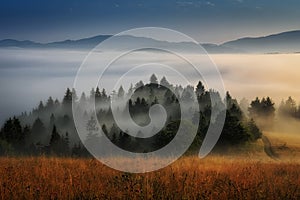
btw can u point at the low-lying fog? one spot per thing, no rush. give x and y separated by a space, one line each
28 76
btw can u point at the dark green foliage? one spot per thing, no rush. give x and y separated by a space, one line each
166 135
253 130
68 97
5 148
12 133
55 137
38 131
58 144
233 132
263 112
52 118
97 95
78 150
262 108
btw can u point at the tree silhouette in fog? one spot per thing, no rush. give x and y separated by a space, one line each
49 128
263 112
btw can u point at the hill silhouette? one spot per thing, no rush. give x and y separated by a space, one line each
285 42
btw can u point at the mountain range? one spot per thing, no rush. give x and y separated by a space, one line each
285 42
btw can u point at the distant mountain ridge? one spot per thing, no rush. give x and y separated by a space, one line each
285 42
288 42
81 43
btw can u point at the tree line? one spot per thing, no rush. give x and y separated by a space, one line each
49 129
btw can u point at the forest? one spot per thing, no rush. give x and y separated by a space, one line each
49 128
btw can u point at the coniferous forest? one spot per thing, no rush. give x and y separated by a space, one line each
49 128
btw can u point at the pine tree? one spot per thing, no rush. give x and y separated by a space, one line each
38 131
55 137
92 93
233 132
67 100
114 132
12 132
255 108
82 98
74 95
121 92
130 91
56 104
153 79
253 130
50 104
187 94
98 95
139 85
164 82
92 140
40 107
104 95
199 89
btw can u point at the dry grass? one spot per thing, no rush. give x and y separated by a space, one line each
286 145
187 178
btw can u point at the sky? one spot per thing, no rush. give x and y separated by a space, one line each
213 21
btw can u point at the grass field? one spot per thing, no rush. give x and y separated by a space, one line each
287 145
214 177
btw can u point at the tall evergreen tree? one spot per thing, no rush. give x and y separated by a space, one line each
92 93
55 137
38 131
187 94
164 82
67 100
121 92
92 140
153 79
98 95
40 107
12 132
138 85
50 104
199 89
288 108
82 97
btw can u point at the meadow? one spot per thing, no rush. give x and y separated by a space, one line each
214 177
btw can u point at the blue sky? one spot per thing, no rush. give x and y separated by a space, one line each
205 20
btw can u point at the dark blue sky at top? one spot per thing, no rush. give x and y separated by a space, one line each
206 21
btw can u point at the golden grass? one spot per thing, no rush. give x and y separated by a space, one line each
187 178
286 145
